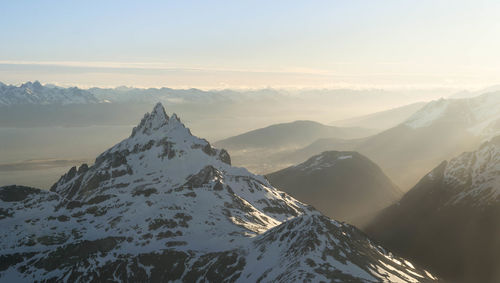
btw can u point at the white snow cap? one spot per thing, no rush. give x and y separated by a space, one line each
152 121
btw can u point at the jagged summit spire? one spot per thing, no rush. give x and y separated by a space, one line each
29 84
175 117
152 121
158 114
159 110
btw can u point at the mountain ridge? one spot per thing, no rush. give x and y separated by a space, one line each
344 185
382 120
165 205
294 133
453 212
34 93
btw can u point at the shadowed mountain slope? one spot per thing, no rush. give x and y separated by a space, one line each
342 185
450 221
164 205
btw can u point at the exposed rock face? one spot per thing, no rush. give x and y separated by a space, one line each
450 221
164 205
343 185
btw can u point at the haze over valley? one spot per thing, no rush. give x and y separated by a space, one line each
41 122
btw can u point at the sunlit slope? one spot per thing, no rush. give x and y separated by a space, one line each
164 205
382 120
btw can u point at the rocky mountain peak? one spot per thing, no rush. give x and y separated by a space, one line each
164 205
473 177
152 121
175 117
32 85
159 146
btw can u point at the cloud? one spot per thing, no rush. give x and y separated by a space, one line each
162 66
382 75
40 164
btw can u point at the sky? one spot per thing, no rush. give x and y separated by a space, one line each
252 44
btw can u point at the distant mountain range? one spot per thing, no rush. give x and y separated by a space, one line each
293 134
164 205
272 148
471 94
480 116
233 111
36 94
343 185
450 221
439 130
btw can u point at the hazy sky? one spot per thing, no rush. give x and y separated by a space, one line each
212 44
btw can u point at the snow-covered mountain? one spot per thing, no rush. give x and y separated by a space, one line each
450 221
164 205
479 115
474 177
37 94
177 96
469 94
440 130
343 185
